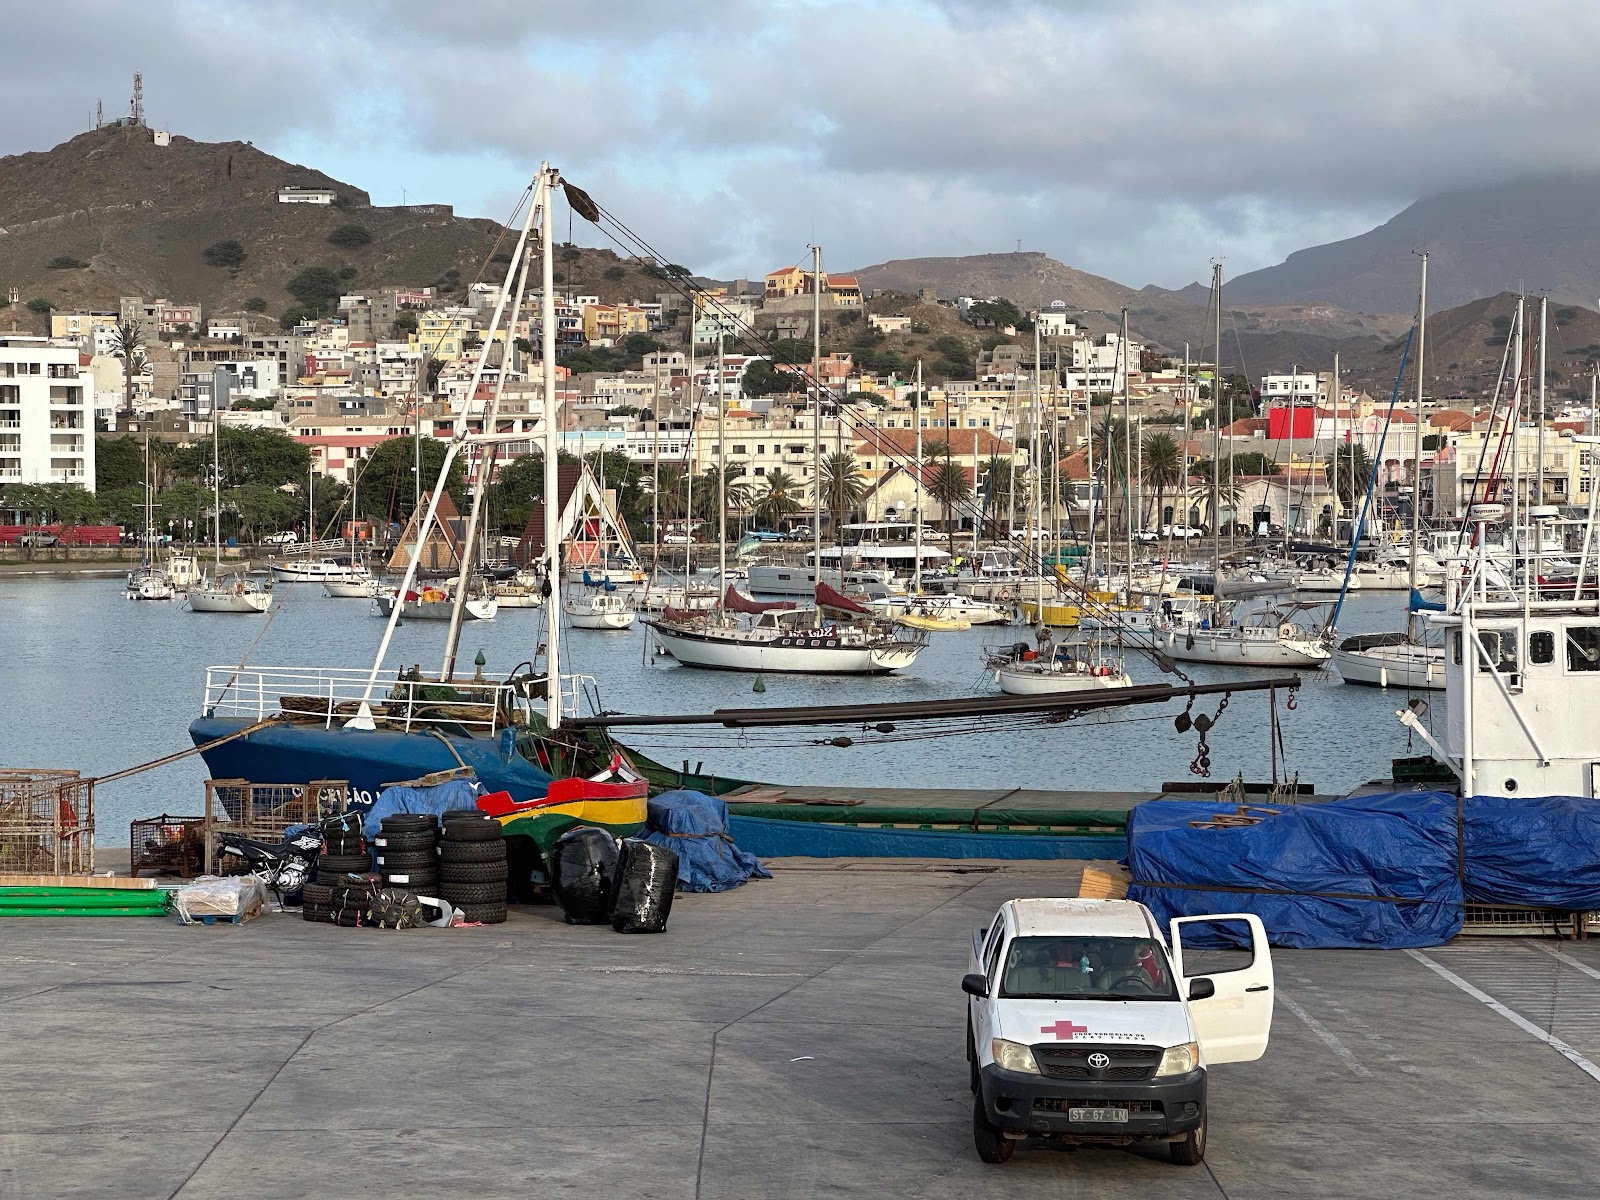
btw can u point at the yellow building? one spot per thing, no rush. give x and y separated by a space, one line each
614 321
441 333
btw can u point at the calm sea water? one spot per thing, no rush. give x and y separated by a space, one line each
91 681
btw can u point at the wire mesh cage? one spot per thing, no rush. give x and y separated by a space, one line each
46 822
167 844
265 810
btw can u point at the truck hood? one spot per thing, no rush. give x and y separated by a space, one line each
1147 1022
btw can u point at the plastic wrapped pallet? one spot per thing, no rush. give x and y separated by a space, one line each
583 867
647 879
236 896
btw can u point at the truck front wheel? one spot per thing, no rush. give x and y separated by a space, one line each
993 1146
1190 1149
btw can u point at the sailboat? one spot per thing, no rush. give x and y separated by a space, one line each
148 581
599 607
1404 659
746 635
217 592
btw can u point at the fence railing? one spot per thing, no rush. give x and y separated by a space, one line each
331 696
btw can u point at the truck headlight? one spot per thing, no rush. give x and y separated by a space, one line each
1013 1056
1179 1060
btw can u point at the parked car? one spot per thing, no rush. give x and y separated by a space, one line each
38 540
1183 531
765 535
676 539
287 537
1085 1023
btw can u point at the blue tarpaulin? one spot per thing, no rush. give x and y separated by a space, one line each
1540 851
441 797
696 827
1368 871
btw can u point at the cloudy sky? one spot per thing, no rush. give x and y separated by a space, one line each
1132 138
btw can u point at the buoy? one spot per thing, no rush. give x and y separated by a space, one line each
760 685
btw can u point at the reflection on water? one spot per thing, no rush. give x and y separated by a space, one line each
95 682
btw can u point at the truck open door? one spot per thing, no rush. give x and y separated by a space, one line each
1233 1017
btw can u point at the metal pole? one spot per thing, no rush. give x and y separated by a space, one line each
722 479
1127 463
552 486
1416 446
1337 396
916 409
816 433
1544 329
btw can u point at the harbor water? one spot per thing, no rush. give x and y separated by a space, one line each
94 682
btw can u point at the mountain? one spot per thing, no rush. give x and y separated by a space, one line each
1254 338
1539 234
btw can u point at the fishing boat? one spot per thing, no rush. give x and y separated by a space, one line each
598 609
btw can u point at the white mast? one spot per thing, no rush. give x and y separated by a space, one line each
689 459
722 478
552 499
1516 420
1334 524
216 485
1183 452
1035 557
1416 445
1544 329
916 567
1127 460
816 432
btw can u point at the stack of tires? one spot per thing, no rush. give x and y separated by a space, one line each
472 865
407 851
344 852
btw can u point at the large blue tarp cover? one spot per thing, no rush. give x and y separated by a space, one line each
1367 871
1540 851
441 797
696 827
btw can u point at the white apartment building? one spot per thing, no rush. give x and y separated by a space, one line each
1300 387
46 414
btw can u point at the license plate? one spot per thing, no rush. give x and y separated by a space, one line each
1104 1116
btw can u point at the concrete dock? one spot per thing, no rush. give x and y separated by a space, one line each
798 1037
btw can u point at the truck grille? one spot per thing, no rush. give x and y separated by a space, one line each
1072 1062
1148 1108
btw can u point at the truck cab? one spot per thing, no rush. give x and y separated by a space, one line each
1085 1024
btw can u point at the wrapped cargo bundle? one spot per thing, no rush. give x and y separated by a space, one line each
647 879
582 869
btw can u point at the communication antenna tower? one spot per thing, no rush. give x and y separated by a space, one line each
99 113
136 107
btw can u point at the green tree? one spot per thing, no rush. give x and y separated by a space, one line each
118 463
637 345
1163 469
761 379
615 274
999 476
247 456
127 344
30 501
385 490
65 262
843 485
256 304
998 313
262 510
1355 473
316 288
780 500
947 483
228 253
791 350
39 305
349 237
517 488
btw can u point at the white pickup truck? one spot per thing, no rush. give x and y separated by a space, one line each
1084 1026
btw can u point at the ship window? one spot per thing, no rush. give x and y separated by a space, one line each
1583 648
1541 646
1499 649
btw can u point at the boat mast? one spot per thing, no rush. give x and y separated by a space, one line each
916 566
1333 525
655 468
1035 559
552 545
1416 446
1216 431
519 272
690 458
1183 452
1544 329
1288 476
1516 420
216 485
1127 462
722 479
816 435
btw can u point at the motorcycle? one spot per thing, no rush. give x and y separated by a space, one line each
285 867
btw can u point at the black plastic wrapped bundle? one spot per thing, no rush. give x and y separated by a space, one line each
583 868
647 879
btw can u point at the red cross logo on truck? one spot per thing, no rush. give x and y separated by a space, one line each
1064 1030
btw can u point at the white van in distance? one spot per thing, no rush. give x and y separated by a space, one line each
1083 1025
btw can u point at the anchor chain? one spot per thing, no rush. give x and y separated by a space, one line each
1203 724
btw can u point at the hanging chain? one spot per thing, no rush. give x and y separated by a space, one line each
1201 765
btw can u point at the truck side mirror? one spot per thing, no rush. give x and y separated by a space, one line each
978 985
1202 989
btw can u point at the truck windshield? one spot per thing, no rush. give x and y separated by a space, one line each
1086 968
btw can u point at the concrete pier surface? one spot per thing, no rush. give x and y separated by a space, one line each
798 1037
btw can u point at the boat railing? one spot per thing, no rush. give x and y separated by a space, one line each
573 689
331 696
326 548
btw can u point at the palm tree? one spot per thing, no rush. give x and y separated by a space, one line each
843 485
1111 458
781 498
707 487
999 474
1355 472
1163 468
948 485
127 343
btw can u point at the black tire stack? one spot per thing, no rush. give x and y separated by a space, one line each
344 852
472 865
407 852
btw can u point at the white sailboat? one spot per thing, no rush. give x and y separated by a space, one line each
434 604
1220 633
1051 669
1404 659
218 592
148 581
598 609
351 589
522 590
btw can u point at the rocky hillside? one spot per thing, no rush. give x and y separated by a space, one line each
1539 234
140 217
